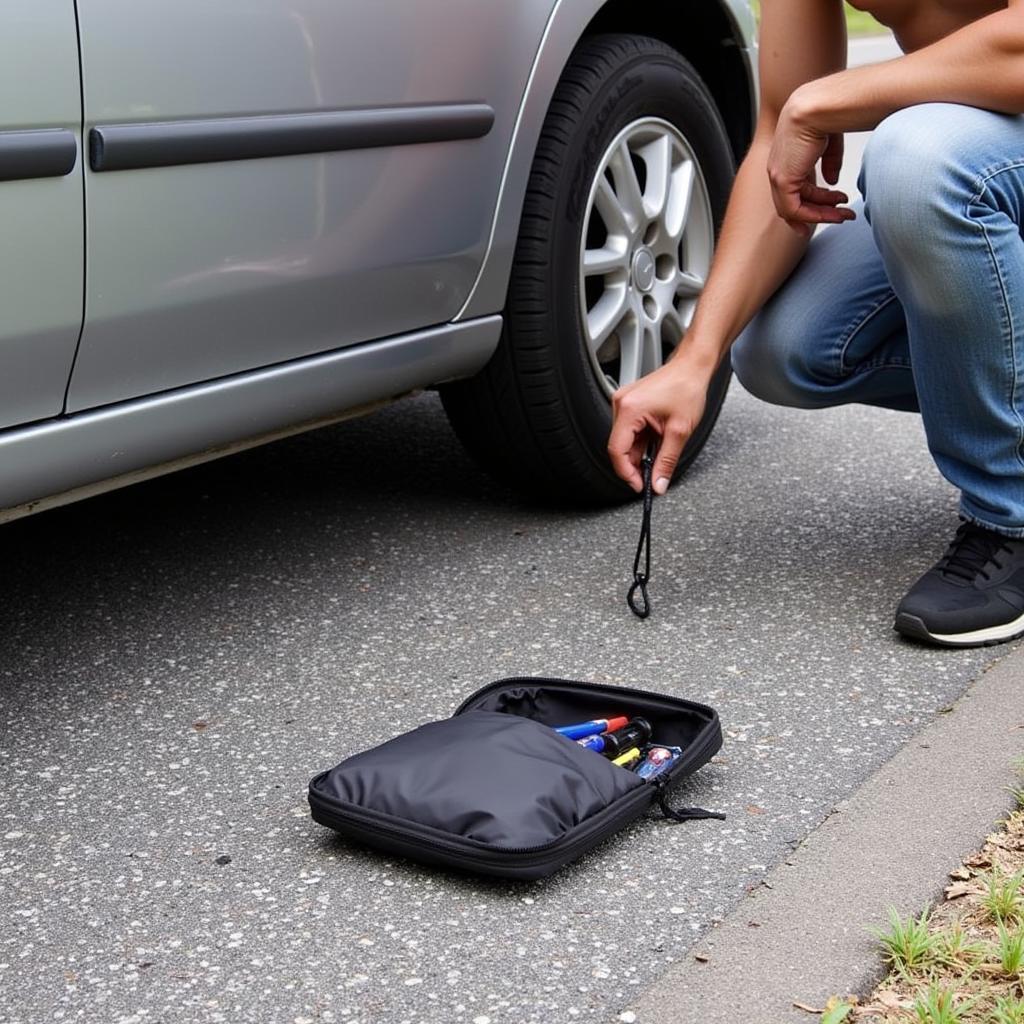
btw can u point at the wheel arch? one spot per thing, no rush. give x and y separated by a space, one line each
716 36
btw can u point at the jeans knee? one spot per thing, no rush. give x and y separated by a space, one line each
919 171
771 361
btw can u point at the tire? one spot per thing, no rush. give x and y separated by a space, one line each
539 414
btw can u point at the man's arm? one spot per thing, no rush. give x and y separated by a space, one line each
979 65
800 40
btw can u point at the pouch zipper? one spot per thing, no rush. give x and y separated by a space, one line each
346 818
502 684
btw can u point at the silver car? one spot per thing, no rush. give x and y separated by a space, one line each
225 222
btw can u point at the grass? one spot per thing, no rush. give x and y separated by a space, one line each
908 946
962 961
858 23
958 950
1008 1010
939 1004
1002 902
1009 951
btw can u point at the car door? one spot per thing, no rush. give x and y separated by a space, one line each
41 217
274 178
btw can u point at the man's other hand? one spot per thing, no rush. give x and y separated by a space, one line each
796 150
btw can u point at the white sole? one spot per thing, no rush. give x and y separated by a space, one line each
913 626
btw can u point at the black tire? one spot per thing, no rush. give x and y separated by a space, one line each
536 415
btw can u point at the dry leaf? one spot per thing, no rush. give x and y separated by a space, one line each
883 1002
701 958
958 889
960 873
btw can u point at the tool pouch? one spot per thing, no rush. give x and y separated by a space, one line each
495 790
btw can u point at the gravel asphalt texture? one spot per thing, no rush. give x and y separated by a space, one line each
179 658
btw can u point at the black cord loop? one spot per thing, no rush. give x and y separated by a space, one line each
642 608
685 813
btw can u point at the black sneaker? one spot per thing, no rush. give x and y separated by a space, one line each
974 595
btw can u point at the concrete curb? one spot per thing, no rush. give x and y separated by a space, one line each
804 933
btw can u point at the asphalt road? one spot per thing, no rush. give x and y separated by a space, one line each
176 660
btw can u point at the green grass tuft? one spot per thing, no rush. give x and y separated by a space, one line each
837 1014
938 1005
1008 1010
1009 951
1002 901
955 949
908 945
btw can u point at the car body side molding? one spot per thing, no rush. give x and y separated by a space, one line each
46 153
121 147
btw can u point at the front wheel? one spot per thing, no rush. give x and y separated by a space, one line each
628 187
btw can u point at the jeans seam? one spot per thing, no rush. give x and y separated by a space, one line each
1007 317
981 182
846 340
1006 531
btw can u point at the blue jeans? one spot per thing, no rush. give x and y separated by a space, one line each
918 304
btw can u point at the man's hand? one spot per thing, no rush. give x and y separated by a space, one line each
669 404
796 149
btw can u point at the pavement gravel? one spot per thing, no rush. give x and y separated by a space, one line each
177 659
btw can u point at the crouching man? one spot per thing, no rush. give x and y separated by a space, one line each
912 301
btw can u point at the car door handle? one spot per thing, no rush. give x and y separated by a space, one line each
42 153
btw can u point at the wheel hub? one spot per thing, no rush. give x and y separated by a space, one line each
643 269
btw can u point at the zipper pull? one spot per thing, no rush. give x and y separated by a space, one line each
684 813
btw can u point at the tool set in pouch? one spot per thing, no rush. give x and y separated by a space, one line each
498 790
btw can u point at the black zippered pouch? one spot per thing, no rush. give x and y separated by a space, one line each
495 790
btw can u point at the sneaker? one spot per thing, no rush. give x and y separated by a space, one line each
974 595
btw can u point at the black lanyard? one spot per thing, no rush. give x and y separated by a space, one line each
642 608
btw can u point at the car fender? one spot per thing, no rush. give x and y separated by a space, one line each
566 25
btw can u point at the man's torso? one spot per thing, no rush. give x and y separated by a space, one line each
917 23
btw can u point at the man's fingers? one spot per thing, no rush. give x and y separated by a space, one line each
795 203
823 196
624 449
668 458
832 158
810 214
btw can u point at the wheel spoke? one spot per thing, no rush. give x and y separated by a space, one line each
677 209
631 353
658 158
673 319
607 314
608 205
627 187
651 358
603 261
689 285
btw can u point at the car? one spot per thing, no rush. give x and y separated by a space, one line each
226 223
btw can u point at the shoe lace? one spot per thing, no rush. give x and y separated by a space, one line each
971 550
